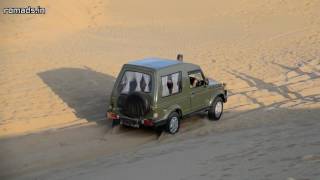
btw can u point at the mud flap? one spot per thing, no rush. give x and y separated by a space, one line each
115 122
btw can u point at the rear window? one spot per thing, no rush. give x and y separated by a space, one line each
133 81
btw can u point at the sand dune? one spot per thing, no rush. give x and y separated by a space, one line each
58 66
57 69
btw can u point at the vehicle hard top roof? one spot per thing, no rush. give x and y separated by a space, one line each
156 63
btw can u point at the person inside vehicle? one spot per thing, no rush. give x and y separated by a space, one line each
193 82
170 85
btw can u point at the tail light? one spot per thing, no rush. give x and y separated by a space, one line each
113 115
147 122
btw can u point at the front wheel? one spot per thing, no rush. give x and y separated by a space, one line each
216 109
173 123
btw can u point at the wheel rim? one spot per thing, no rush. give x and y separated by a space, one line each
174 124
218 109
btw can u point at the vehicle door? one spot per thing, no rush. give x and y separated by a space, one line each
198 90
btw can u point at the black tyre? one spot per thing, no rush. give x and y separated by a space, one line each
173 123
136 105
216 109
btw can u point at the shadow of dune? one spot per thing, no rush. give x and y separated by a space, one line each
84 90
101 143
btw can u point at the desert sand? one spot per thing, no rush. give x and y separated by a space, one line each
57 71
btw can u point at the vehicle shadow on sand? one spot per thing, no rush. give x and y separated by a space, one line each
84 90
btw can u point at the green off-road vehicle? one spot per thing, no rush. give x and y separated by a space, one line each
159 93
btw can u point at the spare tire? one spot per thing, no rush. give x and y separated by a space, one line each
136 105
122 100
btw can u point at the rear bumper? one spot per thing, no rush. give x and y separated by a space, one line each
130 122
133 122
137 123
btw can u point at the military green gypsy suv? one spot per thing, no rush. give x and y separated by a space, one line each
159 93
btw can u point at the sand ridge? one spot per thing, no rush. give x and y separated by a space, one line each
57 70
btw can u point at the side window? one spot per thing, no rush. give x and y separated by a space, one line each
171 84
196 79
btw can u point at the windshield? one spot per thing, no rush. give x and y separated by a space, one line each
135 82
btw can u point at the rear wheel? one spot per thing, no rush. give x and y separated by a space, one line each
216 109
173 123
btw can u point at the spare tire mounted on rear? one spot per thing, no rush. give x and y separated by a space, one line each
136 105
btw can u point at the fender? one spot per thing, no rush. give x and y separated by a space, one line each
167 111
220 93
171 109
